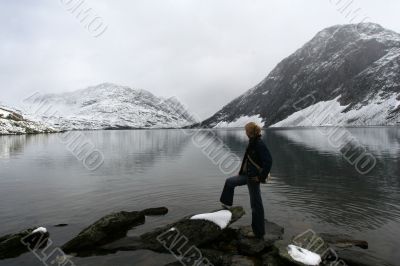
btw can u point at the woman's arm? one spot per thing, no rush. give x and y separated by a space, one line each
241 172
266 160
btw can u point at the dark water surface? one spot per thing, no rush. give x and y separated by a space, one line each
314 186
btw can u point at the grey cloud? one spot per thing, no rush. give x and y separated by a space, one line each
203 52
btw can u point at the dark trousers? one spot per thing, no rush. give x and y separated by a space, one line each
257 209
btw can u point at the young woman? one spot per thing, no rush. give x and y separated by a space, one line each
255 168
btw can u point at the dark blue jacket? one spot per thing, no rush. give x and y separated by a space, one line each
260 154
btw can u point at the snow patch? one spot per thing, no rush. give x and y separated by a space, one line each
303 255
328 113
40 230
220 218
241 122
10 127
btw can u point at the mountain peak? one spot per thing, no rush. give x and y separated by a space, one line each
107 105
351 67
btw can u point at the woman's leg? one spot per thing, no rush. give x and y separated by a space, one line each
229 188
257 209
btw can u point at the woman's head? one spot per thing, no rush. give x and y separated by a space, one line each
252 130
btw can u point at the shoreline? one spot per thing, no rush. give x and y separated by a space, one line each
205 241
225 129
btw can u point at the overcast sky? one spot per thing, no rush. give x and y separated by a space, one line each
204 52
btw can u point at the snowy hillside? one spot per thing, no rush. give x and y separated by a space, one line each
107 106
346 75
12 123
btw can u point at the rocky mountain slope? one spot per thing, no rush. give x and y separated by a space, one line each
12 123
107 106
346 75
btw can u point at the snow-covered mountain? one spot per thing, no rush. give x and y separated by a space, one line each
12 123
107 106
346 75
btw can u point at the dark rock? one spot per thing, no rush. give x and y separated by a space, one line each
246 231
343 241
15 116
272 259
273 232
239 260
312 242
227 242
175 263
283 254
237 213
14 245
105 230
185 233
251 246
60 225
333 249
216 257
208 257
155 211
123 244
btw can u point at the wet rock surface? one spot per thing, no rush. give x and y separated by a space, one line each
201 242
107 229
343 241
14 245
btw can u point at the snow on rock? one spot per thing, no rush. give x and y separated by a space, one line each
303 255
12 123
4 113
220 218
319 114
328 113
40 229
241 122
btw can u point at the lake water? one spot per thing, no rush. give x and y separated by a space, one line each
313 186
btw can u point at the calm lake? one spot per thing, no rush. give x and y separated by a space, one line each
313 187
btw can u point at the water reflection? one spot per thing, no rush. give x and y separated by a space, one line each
315 178
136 151
10 145
381 141
146 168
127 150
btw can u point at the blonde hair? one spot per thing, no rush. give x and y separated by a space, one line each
253 129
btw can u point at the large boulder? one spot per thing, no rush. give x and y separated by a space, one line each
283 253
272 259
214 258
337 249
14 245
186 233
249 245
155 211
108 229
239 260
343 241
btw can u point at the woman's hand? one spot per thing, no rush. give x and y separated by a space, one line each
255 179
